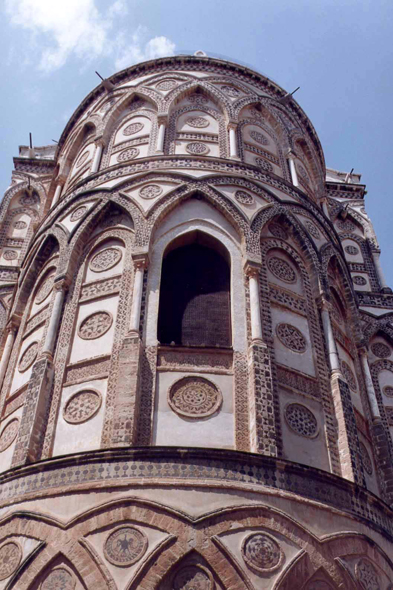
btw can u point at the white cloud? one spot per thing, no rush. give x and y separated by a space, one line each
65 28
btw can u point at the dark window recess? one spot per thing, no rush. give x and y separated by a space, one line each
194 298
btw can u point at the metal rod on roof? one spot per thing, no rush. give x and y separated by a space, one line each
292 93
31 141
99 75
348 176
55 141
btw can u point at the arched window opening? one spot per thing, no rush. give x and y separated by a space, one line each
195 293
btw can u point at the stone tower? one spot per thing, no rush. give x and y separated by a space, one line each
197 348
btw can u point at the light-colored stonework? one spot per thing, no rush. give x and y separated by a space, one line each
197 350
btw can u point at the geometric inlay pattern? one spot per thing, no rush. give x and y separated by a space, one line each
20 224
361 281
95 325
194 397
367 464
291 337
277 231
133 128
82 406
197 122
302 172
312 230
261 552
192 578
301 420
151 191
197 148
281 269
367 576
352 250
105 259
28 200
8 434
380 350
78 213
259 138
264 164
10 255
348 376
28 357
44 290
59 579
129 154
388 391
244 198
231 91
125 546
10 556
198 99
346 226
166 84
82 159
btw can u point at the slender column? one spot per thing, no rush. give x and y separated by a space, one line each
252 272
369 385
233 151
7 351
334 360
57 194
140 263
54 320
97 157
161 138
325 208
379 271
292 169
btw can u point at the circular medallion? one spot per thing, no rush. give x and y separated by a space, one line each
125 546
105 259
59 579
44 289
95 325
166 84
198 99
259 137
348 375
281 270
261 552
346 226
277 231
244 198
78 213
197 122
197 148
231 91
10 558
150 191
264 164
388 391
367 575
194 397
20 224
28 200
301 420
10 255
367 464
358 280
192 577
291 337
352 250
82 406
8 434
313 231
133 128
82 159
28 357
128 154
380 350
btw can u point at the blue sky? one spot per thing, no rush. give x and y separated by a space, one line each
339 52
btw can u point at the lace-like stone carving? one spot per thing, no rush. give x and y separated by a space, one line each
361 281
281 269
313 231
166 85
367 464
129 154
20 224
60 578
29 200
82 406
346 226
125 546
78 213
259 137
198 99
105 259
197 122
367 575
291 337
262 553
197 148
10 557
95 325
381 350
352 250
231 91
151 191
194 397
28 357
301 420
8 434
264 164
192 577
388 391
133 128
82 159
244 198
10 255
277 231
44 290
349 376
